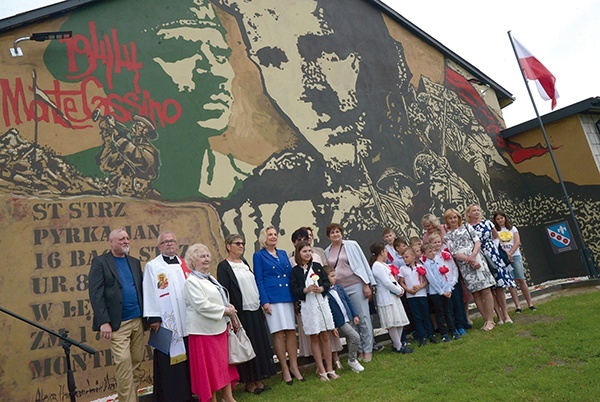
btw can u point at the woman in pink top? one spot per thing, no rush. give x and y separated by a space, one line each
432 224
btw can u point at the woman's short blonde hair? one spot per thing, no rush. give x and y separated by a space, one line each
430 218
194 252
262 237
468 210
450 212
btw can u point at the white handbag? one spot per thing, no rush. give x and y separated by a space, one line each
240 348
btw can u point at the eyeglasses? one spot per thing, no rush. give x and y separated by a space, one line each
239 243
172 241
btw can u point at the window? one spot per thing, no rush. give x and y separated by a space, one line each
591 127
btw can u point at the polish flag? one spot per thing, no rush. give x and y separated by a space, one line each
536 71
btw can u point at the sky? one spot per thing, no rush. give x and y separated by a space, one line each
560 34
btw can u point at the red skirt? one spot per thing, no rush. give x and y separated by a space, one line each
209 365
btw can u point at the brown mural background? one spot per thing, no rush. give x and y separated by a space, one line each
209 118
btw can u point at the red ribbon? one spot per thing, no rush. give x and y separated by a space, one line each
394 270
446 255
444 270
390 257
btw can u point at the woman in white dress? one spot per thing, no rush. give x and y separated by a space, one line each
309 283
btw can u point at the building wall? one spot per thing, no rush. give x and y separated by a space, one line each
212 118
573 155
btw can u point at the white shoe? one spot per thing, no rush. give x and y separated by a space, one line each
355 366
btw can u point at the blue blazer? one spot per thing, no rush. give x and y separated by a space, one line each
272 276
336 311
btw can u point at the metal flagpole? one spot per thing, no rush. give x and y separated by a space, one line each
586 254
35 135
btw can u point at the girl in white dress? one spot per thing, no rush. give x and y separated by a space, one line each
309 283
389 306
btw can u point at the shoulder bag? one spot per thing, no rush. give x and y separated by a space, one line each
240 347
504 256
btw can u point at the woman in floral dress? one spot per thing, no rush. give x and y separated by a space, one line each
463 243
487 233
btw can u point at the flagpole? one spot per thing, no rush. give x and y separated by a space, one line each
586 254
35 118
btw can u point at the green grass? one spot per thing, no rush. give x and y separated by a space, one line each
548 355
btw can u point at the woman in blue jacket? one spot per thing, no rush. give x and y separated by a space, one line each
272 271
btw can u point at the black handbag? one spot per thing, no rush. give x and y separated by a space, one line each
490 263
504 256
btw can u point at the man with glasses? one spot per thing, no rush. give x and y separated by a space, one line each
164 307
116 298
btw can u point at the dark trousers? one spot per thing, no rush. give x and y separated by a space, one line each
442 307
460 317
411 326
420 312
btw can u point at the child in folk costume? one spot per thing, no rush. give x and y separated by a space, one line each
389 307
309 284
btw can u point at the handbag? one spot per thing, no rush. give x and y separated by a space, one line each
504 256
490 263
240 347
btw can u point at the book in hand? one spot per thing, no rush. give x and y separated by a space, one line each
161 340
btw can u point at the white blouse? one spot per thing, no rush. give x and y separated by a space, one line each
245 278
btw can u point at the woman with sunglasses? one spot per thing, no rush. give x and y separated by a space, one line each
235 275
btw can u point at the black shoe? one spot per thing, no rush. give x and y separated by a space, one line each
446 338
265 388
406 350
532 308
456 336
299 379
433 339
518 311
378 348
422 342
256 391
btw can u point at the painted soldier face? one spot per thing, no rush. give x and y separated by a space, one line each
197 60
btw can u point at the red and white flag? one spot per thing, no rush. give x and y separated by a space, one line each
536 71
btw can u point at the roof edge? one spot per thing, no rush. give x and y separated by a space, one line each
30 17
505 98
587 105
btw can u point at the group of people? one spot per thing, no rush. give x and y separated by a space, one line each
310 295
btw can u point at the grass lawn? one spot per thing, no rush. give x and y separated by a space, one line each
552 354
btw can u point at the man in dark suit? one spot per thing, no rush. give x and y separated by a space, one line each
116 297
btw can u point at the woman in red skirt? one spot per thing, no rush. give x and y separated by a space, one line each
207 315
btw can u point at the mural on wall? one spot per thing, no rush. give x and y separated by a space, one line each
208 118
